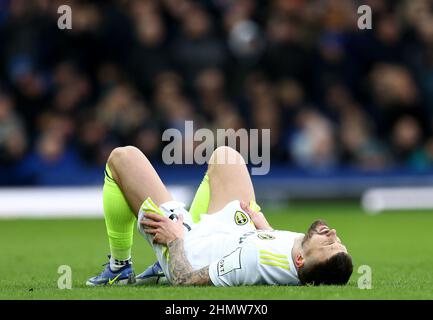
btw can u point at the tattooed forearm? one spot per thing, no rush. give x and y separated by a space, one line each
181 270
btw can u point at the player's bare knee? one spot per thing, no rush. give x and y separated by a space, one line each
120 157
225 155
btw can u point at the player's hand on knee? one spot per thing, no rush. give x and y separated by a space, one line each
162 228
258 218
148 223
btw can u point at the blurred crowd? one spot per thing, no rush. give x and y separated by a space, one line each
333 95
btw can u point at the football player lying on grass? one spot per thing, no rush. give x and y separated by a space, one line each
223 240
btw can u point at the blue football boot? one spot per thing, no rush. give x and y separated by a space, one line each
151 276
123 276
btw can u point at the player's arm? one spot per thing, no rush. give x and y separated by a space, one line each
170 233
180 269
257 217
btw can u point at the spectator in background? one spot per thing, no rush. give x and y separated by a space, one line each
71 89
197 47
150 56
313 143
396 95
407 142
13 139
211 92
286 54
359 146
122 111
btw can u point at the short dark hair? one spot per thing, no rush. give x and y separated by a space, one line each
334 271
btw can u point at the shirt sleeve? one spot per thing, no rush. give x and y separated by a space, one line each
236 268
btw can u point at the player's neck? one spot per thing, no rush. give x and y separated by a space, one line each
297 246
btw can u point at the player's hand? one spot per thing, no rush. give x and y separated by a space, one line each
162 228
258 218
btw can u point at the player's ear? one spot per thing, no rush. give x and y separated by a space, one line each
299 260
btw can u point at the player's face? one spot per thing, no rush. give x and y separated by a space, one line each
321 242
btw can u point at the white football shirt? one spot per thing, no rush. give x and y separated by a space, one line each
259 257
228 242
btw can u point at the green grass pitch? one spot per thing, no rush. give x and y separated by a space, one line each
398 246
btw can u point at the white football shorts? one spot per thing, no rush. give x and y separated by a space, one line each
207 241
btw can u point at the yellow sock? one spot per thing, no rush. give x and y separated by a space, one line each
200 204
119 219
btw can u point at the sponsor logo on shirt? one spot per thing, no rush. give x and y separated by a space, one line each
230 262
265 236
245 236
221 267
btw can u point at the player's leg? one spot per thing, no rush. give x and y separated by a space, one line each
129 180
227 179
119 222
136 177
200 203
138 180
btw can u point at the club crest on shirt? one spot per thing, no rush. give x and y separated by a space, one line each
241 218
265 236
